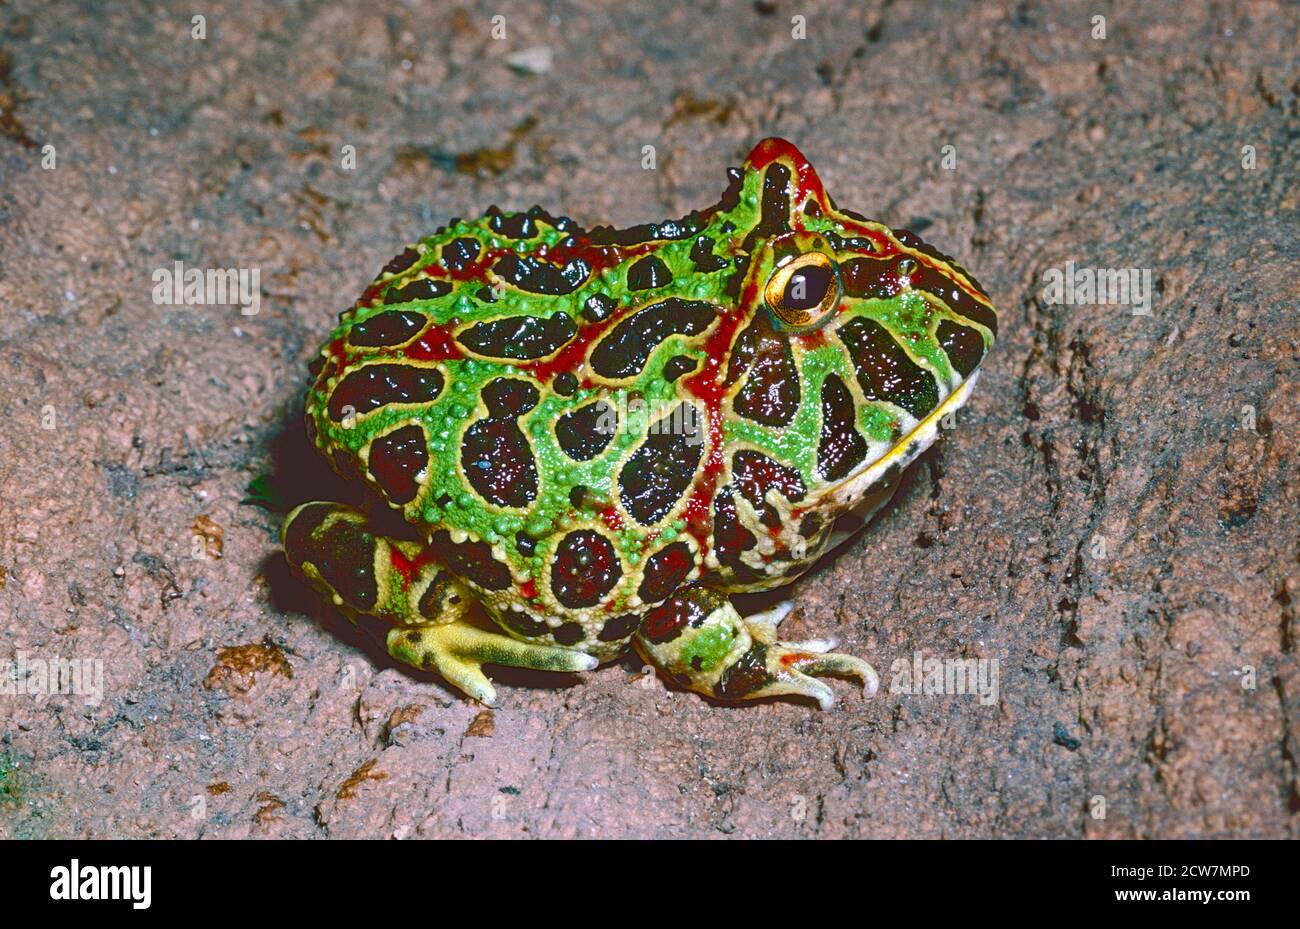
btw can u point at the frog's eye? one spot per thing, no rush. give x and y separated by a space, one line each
802 293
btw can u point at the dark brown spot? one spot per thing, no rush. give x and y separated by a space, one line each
702 254
643 233
598 307
841 447
688 606
401 262
519 338
424 288
523 624
731 196
565 383
885 372
372 386
774 218
344 554
459 254
871 278
587 431
395 460
620 627
747 675
755 474
940 285
585 568
678 365
541 277
730 537
472 561
648 273
770 394
665 570
912 240
513 225
508 396
624 351
438 596
660 471
964 346
495 454
389 328
568 634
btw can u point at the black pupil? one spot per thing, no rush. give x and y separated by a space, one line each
807 287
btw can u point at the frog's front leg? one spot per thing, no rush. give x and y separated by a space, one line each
698 637
362 572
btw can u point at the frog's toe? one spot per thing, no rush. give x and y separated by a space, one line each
792 668
459 650
698 637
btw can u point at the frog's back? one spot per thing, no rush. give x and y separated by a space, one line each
579 422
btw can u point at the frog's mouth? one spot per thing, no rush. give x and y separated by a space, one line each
870 488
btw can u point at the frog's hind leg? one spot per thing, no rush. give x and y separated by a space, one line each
362 572
698 637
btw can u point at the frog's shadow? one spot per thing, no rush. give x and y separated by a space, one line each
299 474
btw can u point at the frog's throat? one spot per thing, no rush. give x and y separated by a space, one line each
885 470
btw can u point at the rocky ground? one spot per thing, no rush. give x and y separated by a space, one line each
1113 520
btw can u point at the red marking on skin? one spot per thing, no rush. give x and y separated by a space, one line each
408 568
794 658
597 257
818 338
476 270
574 352
612 518
706 385
371 293
528 589
675 561
434 344
336 355
665 622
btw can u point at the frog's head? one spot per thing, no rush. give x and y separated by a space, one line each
857 334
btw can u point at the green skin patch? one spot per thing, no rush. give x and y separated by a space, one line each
707 648
638 493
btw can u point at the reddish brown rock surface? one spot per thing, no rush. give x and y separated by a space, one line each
235 705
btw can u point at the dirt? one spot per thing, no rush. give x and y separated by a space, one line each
1113 520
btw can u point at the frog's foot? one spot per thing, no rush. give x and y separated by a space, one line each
334 547
459 650
362 572
697 636
763 625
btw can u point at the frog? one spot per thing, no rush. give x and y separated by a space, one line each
596 438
